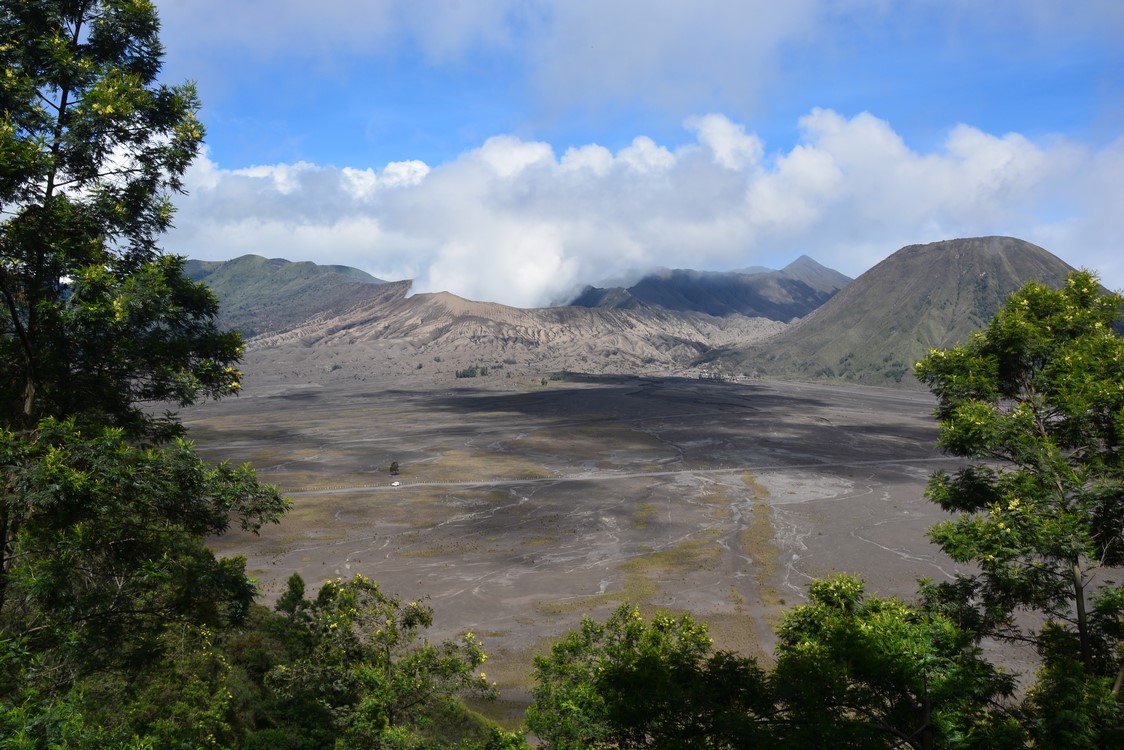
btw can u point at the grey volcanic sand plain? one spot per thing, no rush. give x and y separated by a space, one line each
521 510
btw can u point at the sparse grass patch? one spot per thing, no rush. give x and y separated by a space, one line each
484 466
686 557
313 481
760 491
508 714
757 541
717 502
735 632
637 588
440 550
593 442
578 603
511 668
478 498
643 513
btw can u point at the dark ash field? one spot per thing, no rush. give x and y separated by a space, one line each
521 510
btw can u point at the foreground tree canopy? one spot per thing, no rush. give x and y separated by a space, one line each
1037 401
631 683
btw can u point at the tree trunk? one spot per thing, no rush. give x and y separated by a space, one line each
3 552
1082 619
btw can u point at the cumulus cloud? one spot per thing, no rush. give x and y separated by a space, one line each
512 221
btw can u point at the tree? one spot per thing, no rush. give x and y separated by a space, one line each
103 508
293 599
368 674
860 671
108 549
631 683
1037 401
94 321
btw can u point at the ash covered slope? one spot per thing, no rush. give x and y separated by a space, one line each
434 335
922 296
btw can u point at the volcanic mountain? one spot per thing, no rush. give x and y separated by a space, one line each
921 297
384 334
792 292
260 295
304 320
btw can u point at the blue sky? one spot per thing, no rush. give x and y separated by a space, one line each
516 150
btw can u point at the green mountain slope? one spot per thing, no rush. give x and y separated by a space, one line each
261 295
922 296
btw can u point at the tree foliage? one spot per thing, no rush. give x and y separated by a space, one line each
120 628
1037 400
181 699
103 515
633 683
94 321
354 665
860 671
106 548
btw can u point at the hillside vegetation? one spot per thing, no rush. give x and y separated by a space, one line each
919 298
260 295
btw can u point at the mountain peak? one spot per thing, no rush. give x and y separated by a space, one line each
920 297
804 261
815 275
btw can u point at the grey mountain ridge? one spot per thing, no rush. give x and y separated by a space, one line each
784 295
802 322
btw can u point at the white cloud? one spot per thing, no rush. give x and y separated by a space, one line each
507 156
512 222
643 155
596 159
363 183
791 197
728 141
